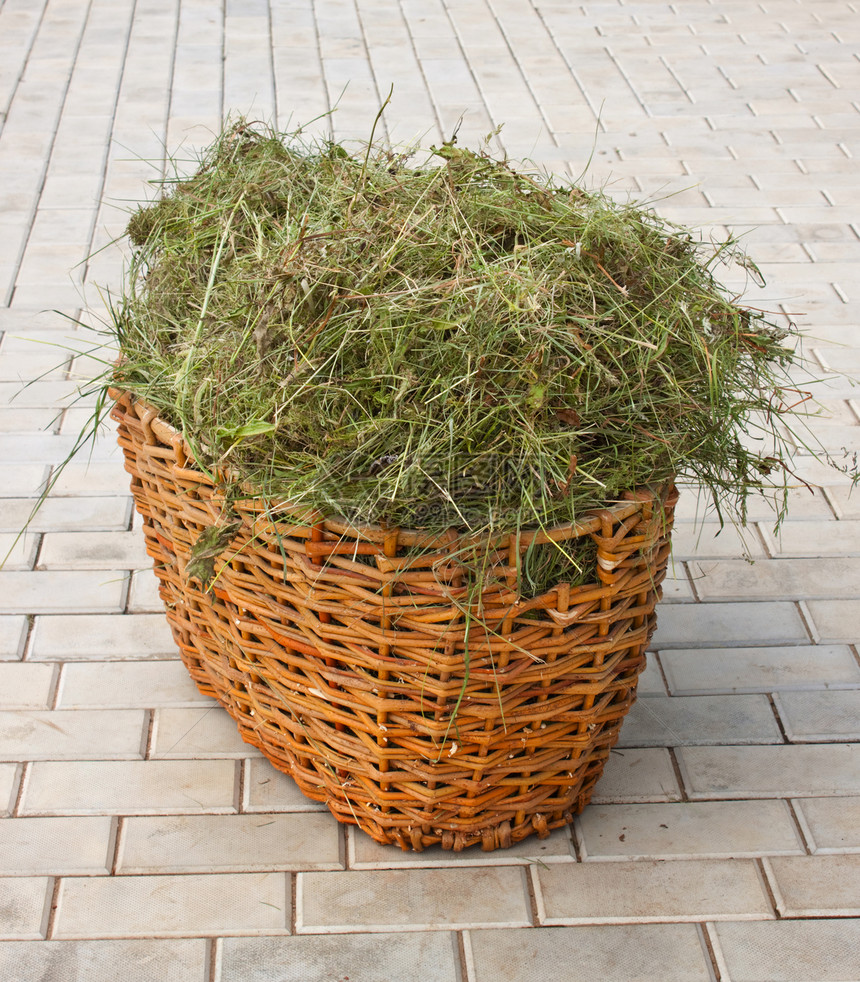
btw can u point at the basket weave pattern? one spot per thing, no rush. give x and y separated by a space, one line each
374 679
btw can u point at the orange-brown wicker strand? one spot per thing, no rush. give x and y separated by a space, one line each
343 655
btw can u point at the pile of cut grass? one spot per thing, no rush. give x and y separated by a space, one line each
446 344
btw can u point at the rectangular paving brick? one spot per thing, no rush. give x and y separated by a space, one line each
610 953
815 886
705 540
65 514
93 550
133 787
229 843
698 671
426 957
719 625
651 891
127 685
56 846
770 772
798 539
104 637
182 960
172 906
62 592
266 789
819 717
25 686
777 579
675 721
633 774
197 732
74 735
411 899
143 595
683 830
23 902
13 632
831 825
789 950
835 620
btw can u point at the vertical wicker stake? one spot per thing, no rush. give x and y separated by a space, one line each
389 547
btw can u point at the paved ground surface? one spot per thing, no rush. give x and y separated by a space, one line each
140 839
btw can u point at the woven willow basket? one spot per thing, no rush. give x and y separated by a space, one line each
345 661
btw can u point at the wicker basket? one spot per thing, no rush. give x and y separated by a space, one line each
345 661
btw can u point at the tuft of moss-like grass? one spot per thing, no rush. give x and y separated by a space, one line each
443 343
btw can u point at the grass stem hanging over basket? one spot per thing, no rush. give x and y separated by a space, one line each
404 435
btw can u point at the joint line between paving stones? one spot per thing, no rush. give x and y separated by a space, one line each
767 886
5 113
323 78
293 900
241 780
54 901
171 75
370 65
467 956
21 776
214 951
676 767
712 952
116 843
799 826
533 892
272 72
421 71
772 703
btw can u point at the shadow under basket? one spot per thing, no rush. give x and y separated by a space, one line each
359 664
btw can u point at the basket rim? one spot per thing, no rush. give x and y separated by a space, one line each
594 520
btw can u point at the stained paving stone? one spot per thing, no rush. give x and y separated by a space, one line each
85 735
23 902
611 953
770 772
229 843
634 774
427 957
820 717
197 733
56 846
126 685
13 633
830 825
266 789
182 960
365 853
172 906
651 891
699 671
683 721
25 686
411 900
83 637
815 886
717 625
129 787
683 830
789 950
93 550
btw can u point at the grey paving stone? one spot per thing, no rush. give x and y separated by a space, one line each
108 513
21 480
683 830
427 957
8 786
18 551
92 479
651 681
770 772
229 843
411 900
815 886
22 906
651 891
818 717
365 853
633 774
835 620
611 953
82 637
93 550
266 789
707 540
172 906
197 732
73 735
777 579
132 787
831 825
25 686
104 961
61 592
789 951
698 671
728 624
143 595
56 846
13 632
127 685
675 721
